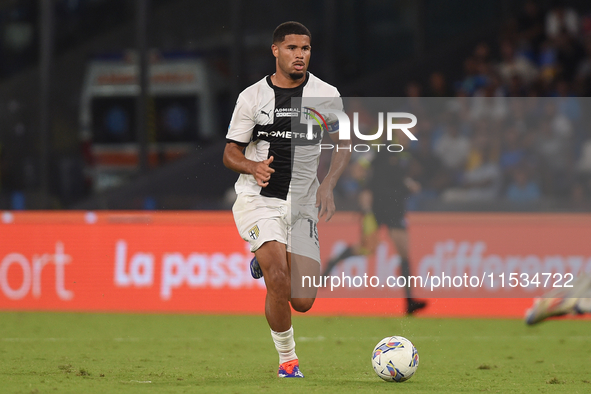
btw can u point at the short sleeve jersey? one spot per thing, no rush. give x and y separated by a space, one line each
262 122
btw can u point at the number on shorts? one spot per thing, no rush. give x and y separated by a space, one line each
313 229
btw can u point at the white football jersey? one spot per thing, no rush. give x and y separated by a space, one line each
262 122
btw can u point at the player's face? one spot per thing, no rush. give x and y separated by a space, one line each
293 55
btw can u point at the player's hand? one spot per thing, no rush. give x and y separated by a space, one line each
325 201
262 172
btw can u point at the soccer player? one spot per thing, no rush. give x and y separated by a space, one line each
562 301
383 203
279 198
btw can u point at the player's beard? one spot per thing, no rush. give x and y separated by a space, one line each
296 75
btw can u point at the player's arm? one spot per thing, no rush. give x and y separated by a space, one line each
235 160
238 137
338 162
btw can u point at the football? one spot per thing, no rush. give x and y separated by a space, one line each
395 359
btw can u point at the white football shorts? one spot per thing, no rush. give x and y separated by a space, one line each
261 219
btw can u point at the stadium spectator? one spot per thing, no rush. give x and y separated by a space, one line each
513 64
413 89
579 197
353 180
546 54
473 79
562 126
547 61
414 103
530 28
528 142
480 184
480 139
581 193
519 117
584 162
482 53
522 189
568 105
489 103
561 18
516 87
583 75
553 151
452 148
428 171
483 61
569 53
438 86
512 153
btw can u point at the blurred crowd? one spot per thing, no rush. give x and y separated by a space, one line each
517 129
486 133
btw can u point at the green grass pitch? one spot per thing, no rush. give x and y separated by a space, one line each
121 353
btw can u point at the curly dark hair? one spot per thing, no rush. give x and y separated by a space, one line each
288 28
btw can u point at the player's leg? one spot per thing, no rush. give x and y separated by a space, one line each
562 301
272 258
399 237
367 246
369 236
259 223
304 260
584 303
303 239
304 275
345 254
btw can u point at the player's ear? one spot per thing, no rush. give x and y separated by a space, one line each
275 50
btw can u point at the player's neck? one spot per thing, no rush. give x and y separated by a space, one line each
285 82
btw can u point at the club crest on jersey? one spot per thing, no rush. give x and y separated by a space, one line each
254 232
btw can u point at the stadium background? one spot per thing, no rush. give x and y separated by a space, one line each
113 193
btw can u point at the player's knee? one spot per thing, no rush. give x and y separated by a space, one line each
277 280
302 304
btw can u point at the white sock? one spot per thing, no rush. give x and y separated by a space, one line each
285 345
